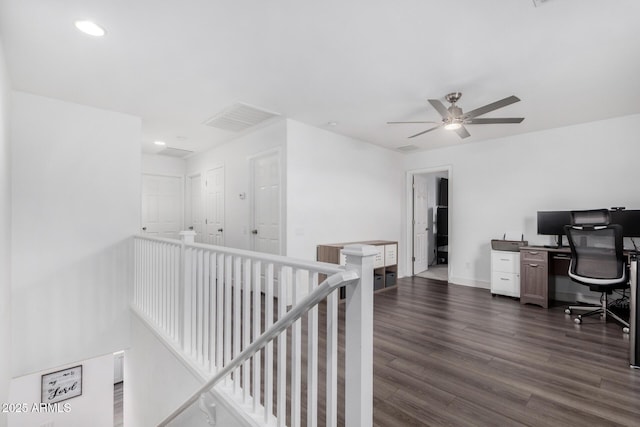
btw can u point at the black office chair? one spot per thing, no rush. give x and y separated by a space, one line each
597 260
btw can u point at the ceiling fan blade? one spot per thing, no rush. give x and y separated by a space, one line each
482 121
490 107
423 132
440 108
462 132
401 123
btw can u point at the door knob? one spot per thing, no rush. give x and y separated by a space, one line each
144 228
220 230
254 231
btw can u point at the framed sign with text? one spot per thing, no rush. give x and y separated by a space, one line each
62 385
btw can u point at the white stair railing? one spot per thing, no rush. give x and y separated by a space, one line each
218 306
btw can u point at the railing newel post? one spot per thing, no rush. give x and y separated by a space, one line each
359 337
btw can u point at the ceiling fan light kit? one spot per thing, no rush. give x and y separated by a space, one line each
453 125
453 118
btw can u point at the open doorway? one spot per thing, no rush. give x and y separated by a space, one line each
428 223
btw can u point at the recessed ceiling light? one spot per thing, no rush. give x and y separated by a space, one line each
332 123
159 142
91 28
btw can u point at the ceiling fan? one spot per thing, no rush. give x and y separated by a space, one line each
454 119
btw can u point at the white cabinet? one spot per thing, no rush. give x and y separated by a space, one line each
505 273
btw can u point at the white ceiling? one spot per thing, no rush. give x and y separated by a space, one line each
359 63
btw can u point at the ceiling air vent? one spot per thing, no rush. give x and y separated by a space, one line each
409 147
175 152
239 117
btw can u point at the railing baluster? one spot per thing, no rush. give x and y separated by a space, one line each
165 285
220 313
332 360
296 354
237 327
268 353
187 300
154 281
199 318
281 366
182 301
227 308
257 319
194 303
312 357
246 326
174 289
213 308
206 311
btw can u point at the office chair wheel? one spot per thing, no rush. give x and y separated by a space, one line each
625 330
567 311
578 320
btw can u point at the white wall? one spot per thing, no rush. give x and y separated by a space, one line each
235 156
339 189
156 386
93 408
157 164
5 236
76 202
499 185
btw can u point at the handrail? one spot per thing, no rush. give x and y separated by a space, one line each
320 267
341 278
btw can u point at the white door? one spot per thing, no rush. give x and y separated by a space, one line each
196 222
420 224
214 206
162 205
266 195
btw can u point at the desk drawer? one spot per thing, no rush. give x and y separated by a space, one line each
533 255
506 262
505 284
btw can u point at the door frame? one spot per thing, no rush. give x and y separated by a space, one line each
252 220
188 207
409 215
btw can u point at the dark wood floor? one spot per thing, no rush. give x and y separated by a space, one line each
456 356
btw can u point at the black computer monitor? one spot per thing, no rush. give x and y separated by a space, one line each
551 223
629 220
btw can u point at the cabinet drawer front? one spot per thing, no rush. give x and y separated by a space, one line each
505 284
506 262
378 261
533 255
390 255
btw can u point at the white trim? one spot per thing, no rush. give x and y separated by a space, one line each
409 216
188 200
